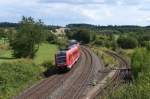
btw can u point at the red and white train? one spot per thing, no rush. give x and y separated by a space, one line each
66 58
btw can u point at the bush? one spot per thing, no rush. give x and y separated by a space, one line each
62 43
139 88
99 42
145 37
15 76
84 35
102 41
137 61
127 42
51 38
146 44
47 64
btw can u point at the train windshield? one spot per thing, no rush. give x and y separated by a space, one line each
61 58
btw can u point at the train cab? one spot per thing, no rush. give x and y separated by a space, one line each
65 59
60 59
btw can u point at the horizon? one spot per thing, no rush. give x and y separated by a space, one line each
78 24
63 12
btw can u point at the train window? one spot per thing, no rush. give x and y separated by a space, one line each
61 58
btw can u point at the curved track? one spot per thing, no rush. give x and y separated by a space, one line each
74 91
75 83
69 85
122 74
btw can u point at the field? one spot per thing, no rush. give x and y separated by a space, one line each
45 53
24 72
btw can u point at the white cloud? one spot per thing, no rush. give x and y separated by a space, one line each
90 11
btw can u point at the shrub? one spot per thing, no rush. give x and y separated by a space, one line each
84 35
127 42
146 44
137 61
145 37
47 64
139 88
15 76
51 38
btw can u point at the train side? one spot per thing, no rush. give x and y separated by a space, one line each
72 56
66 59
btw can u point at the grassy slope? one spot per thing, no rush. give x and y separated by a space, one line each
5 55
23 72
108 60
140 87
46 53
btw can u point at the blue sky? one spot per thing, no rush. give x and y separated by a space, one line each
62 12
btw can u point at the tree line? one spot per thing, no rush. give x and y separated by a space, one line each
112 29
126 37
29 34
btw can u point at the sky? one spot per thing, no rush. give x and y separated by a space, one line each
62 12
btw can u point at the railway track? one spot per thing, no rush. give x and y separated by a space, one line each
72 81
46 86
74 92
72 84
122 74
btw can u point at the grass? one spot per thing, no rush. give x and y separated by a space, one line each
5 55
45 53
139 88
116 36
127 53
108 60
18 74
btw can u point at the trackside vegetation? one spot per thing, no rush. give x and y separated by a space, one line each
27 50
140 87
131 42
17 75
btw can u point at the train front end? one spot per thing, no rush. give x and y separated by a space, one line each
61 59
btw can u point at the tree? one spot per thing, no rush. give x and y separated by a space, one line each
11 33
127 42
84 35
2 33
62 43
51 38
28 37
70 33
146 44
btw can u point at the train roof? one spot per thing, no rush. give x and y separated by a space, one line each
72 40
72 46
61 52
